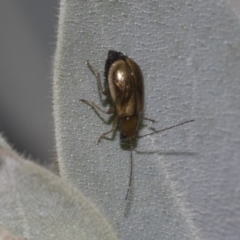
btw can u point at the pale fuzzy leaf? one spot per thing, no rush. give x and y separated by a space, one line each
186 180
4 144
5 235
36 204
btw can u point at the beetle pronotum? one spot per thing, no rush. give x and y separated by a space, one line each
124 81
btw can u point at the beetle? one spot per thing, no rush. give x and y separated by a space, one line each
125 86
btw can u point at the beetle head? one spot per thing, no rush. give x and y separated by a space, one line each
128 127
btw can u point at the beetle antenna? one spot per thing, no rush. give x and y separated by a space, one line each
167 128
131 168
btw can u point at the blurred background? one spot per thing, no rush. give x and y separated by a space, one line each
27 45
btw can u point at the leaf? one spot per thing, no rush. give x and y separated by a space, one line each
5 235
36 204
186 180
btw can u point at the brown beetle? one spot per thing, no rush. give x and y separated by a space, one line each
125 87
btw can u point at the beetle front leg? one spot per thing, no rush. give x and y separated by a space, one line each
114 126
92 104
97 75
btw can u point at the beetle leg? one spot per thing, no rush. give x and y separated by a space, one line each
97 75
92 104
149 119
114 126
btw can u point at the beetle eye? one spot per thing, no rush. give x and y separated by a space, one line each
128 127
123 136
